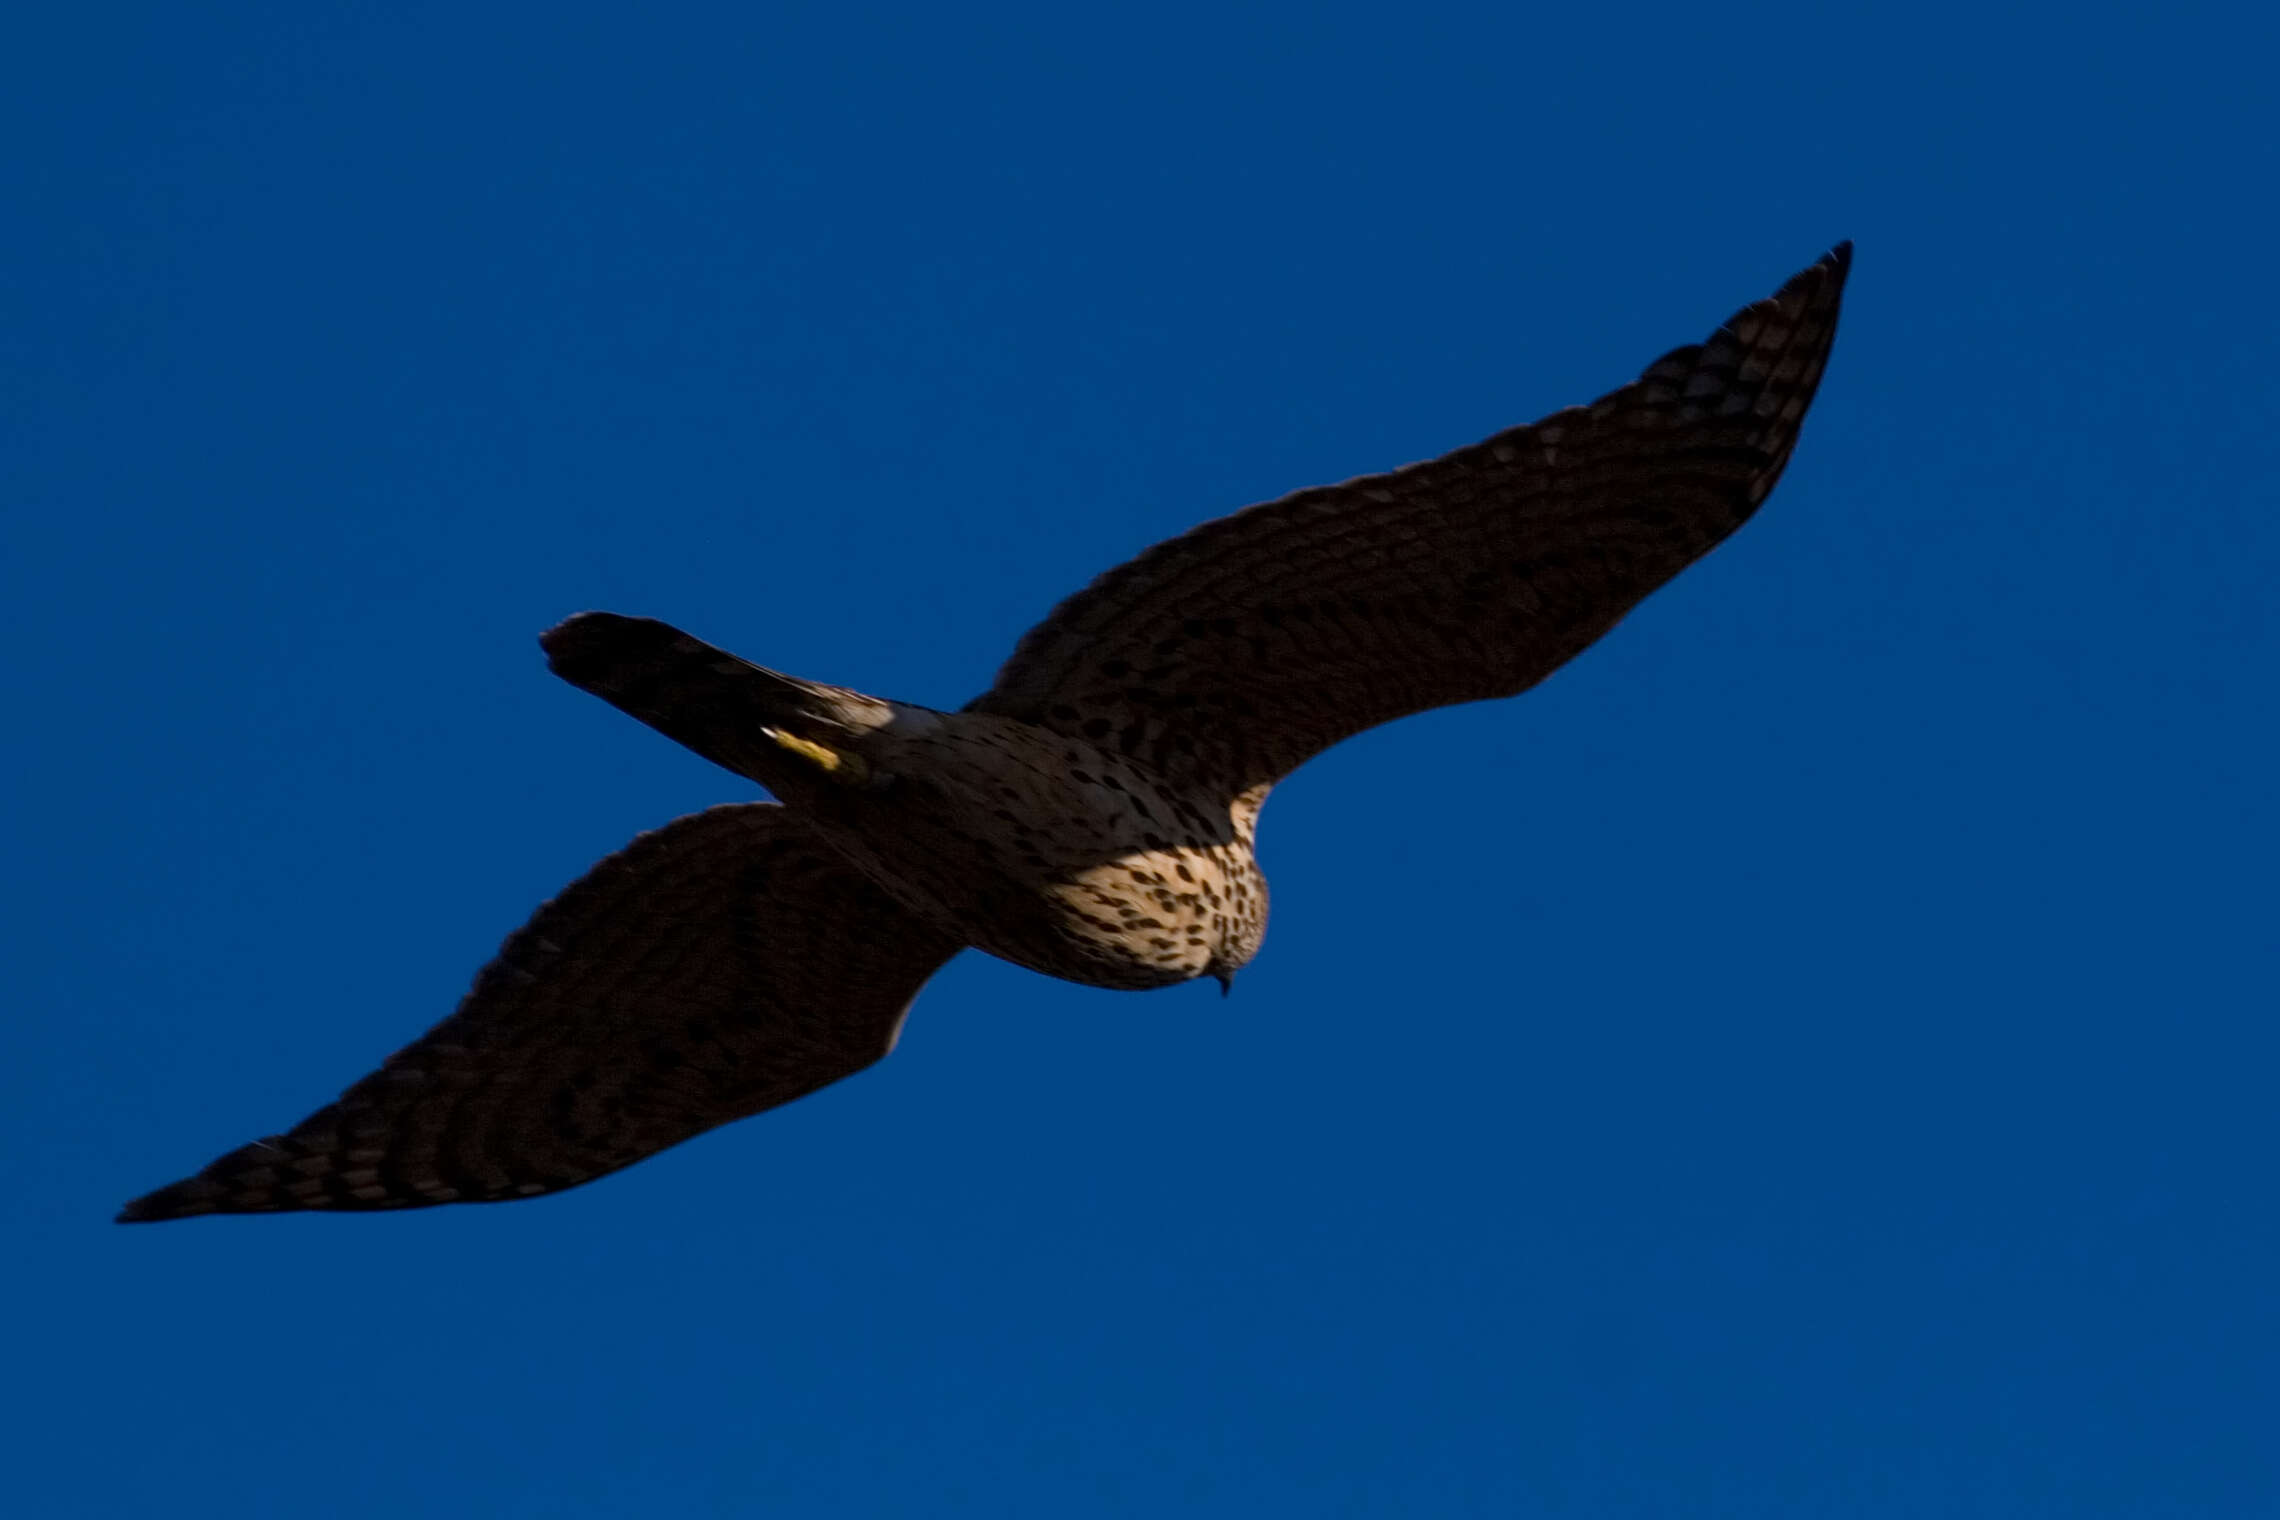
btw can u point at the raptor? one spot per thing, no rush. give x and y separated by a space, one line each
1090 816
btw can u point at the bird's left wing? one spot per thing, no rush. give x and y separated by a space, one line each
719 966
1234 652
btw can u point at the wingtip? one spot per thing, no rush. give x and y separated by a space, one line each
1830 268
1831 265
1818 287
178 1200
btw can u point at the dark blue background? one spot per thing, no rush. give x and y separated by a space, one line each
1813 1057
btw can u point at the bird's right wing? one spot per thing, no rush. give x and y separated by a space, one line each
722 965
1234 652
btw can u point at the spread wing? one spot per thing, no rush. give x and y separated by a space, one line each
1238 650
722 965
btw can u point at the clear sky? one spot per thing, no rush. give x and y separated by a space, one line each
1815 1056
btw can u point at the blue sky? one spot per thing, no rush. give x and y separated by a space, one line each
1813 1056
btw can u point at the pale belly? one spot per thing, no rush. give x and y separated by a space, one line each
1057 856
1155 918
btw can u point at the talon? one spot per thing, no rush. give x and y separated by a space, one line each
838 764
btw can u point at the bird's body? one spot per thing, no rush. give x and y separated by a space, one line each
1091 816
1049 850
1055 853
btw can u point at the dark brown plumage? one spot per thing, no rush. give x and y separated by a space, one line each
720 966
1091 815
1300 622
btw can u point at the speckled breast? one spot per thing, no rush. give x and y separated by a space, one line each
1055 854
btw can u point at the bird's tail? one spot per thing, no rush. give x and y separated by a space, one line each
743 716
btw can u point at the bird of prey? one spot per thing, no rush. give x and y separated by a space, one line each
1090 816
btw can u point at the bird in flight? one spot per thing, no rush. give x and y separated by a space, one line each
1090 816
